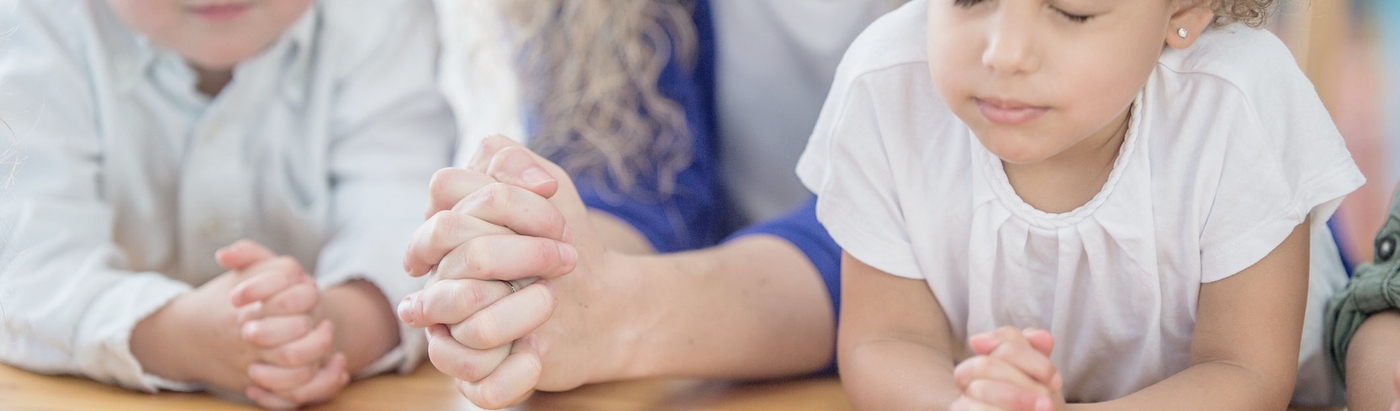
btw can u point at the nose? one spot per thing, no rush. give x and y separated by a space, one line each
1010 43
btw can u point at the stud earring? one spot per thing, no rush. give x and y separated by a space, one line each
1181 32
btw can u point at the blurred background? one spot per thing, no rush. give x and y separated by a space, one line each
1351 51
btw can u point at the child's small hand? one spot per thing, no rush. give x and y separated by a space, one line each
1011 372
277 303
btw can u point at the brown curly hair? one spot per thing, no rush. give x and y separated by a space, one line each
1251 12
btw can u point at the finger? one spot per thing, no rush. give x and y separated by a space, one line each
511 383
328 381
983 343
267 400
510 319
272 332
1007 396
241 254
299 299
991 368
304 351
517 166
274 378
518 209
450 301
1041 340
487 150
508 257
460 362
450 185
965 403
267 278
1016 350
443 232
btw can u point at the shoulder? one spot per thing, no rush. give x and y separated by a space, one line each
1249 63
898 39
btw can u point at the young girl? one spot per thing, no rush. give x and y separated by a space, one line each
154 133
1130 190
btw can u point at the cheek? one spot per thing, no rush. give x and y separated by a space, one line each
1105 79
157 19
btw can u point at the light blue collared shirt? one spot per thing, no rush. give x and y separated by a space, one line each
129 179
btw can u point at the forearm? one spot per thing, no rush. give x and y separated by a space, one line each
1371 359
751 308
365 325
893 374
156 344
1217 385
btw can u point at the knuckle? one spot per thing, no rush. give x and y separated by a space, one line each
445 227
481 334
479 260
471 293
496 195
442 181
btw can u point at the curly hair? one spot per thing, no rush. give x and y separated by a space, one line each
593 67
1251 12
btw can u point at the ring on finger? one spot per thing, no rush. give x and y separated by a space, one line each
511 284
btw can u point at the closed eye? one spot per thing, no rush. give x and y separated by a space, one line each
1077 18
966 3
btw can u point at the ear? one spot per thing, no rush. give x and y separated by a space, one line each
1192 15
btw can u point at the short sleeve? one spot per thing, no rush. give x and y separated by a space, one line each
847 165
1284 162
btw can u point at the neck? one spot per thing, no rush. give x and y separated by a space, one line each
1071 178
211 82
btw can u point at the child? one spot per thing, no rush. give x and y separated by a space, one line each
1128 189
154 132
1363 325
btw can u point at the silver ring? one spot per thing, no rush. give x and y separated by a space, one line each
511 284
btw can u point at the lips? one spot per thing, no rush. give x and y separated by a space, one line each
1009 112
220 12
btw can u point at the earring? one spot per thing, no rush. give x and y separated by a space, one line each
1181 32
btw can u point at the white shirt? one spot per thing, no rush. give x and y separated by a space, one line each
774 65
1229 148
129 179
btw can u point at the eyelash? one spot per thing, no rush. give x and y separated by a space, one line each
1071 17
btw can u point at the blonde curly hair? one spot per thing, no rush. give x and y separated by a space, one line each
590 70
1251 12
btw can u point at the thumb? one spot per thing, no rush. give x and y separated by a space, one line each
241 254
1040 340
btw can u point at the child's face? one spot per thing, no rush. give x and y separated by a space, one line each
1033 80
211 34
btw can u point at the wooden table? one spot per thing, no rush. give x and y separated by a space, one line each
427 389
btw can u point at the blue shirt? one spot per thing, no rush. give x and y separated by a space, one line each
698 215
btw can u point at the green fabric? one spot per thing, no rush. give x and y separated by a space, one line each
1375 287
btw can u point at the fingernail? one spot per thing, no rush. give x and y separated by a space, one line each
1057 382
568 235
533 342
406 308
535 176
567 253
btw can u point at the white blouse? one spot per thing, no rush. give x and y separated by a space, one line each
128 179
1229 149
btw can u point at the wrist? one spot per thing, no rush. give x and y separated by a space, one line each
637 316
365 324
158 348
